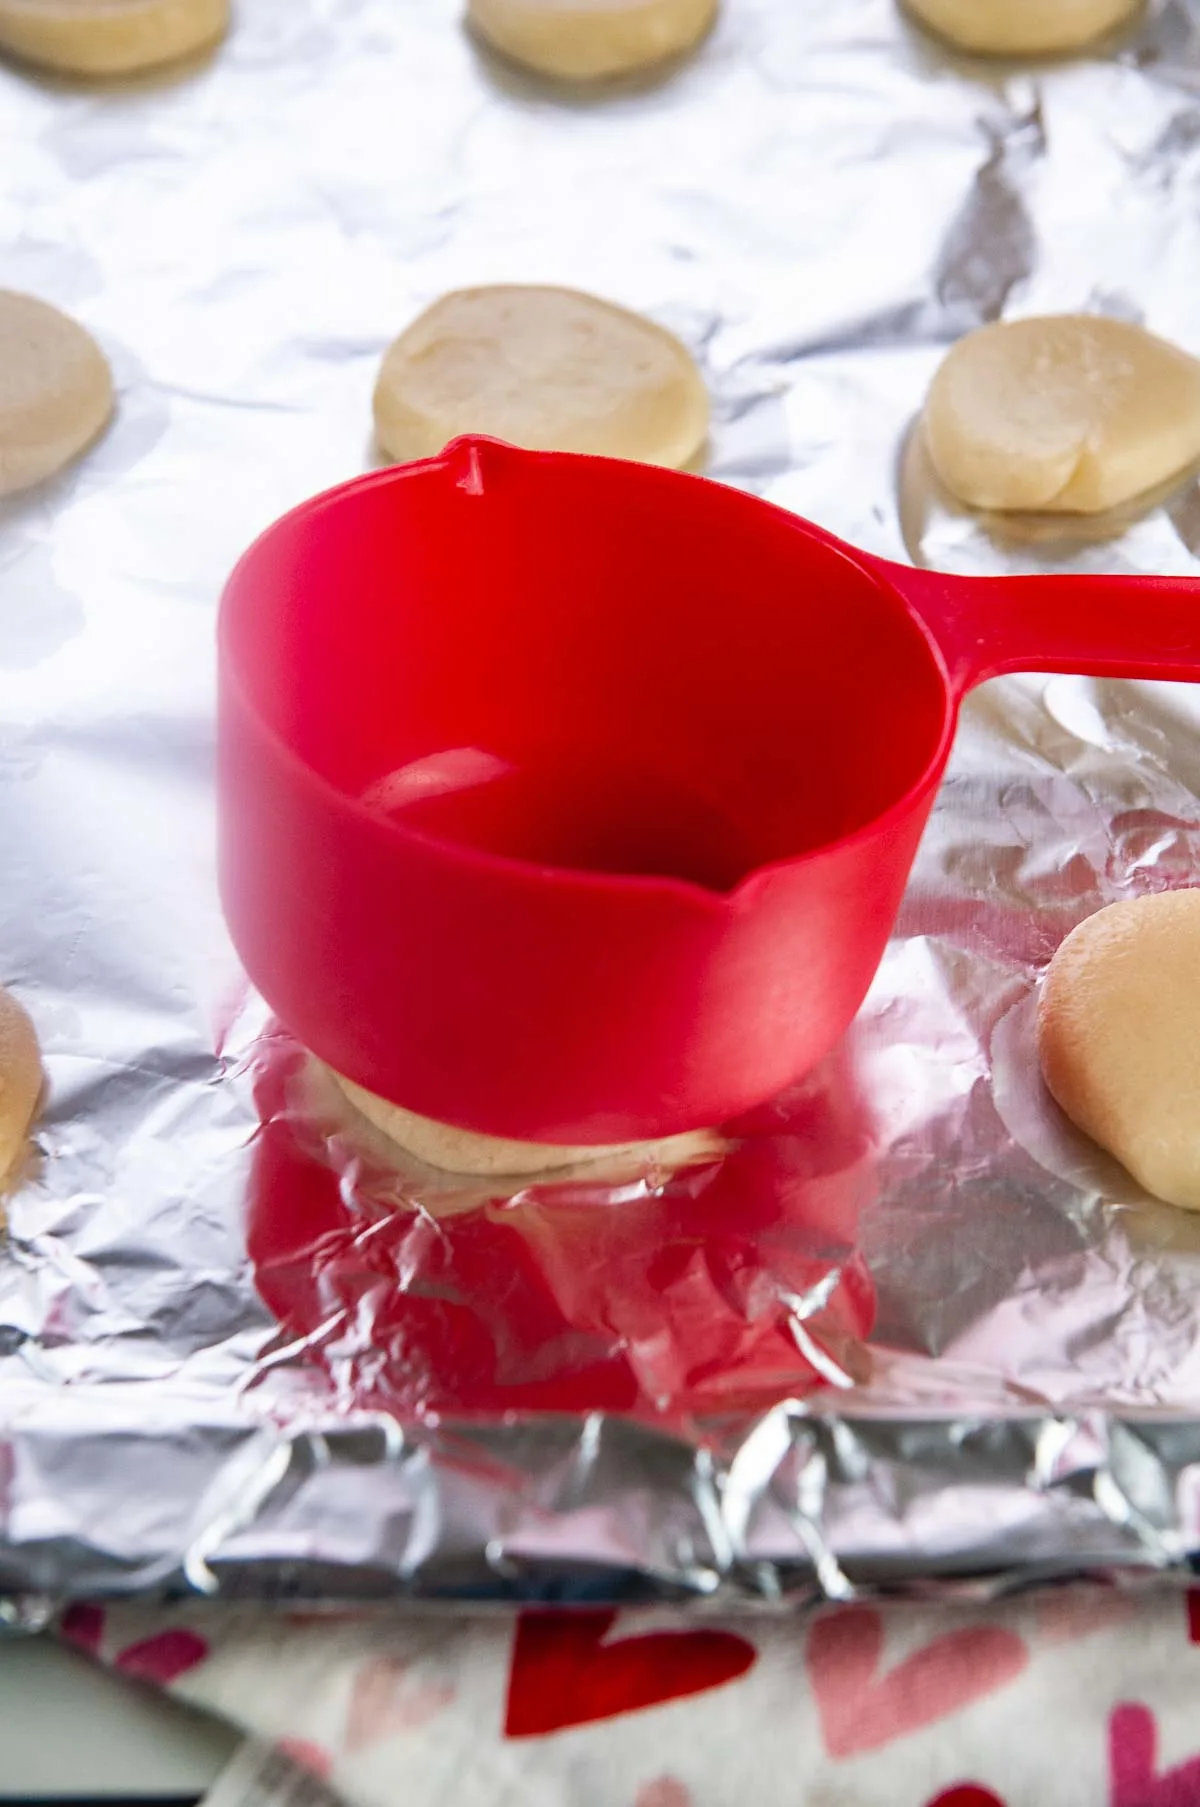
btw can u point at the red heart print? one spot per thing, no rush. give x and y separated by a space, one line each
1068 1613
164 1657
564 1673
1193 1614
664 1791
860 1710
1132 1750
308 1755
386 1698
967 1794
83 1626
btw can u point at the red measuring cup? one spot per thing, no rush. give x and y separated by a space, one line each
572 800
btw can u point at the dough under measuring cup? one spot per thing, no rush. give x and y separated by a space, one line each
467 1152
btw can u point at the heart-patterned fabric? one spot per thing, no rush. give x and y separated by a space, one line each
1067 1700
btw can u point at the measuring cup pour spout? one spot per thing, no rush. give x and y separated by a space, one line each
658 757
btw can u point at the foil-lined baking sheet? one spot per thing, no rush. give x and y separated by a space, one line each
912 1333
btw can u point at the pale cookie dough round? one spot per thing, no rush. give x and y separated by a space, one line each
20 1083
547 368
1022 27
1066 413
589 40
467 1152
109 37
56 390
1119 1037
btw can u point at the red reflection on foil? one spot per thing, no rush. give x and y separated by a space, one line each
572 1297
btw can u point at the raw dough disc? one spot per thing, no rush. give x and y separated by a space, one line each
586 40
1068 413
1022 27
465 1151
1119 1037
109 37
55 390
547 368
20 1082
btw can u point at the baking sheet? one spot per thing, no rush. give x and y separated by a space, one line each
819 202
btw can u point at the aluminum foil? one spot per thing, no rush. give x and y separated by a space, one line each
914 1333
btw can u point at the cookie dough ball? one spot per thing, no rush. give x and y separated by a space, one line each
109 37
546 368
20 1083
55 390
1119 1037
1022 27
587 40
1069 413
465 1151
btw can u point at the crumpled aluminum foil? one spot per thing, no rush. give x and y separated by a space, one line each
819 202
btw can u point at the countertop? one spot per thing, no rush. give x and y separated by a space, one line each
70 1731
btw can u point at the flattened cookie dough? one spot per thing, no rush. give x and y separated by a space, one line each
547 368
464 1151
1119 1037
20 1083
1022 27
1067 413
56 390
588 40
109 37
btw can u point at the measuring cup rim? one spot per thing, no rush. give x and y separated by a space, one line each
462 459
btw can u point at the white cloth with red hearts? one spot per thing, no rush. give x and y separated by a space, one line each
1066 1700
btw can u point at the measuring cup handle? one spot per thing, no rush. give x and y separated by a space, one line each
1133 627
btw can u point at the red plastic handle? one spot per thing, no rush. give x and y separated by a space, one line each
1132 627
